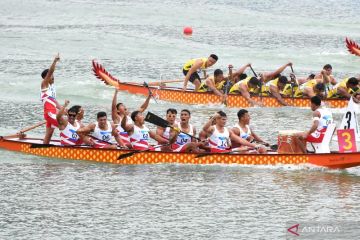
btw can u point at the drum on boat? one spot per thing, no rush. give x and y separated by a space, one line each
287 142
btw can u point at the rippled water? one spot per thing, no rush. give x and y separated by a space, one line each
142 40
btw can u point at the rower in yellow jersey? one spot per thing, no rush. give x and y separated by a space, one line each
193 65
310 89
276 89
244 87
345 88
214 84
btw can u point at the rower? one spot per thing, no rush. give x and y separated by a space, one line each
48 98
276 88
68 126
322 117
310 89
326 77
118 111
243 87
101 133
243 130
345 88
220 136
139 134
80 113
193 65
214 84
185 143
171 114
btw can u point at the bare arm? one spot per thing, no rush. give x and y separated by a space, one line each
114 114
344 92
277 71
129 128
144 106
117 136
208 128
241 70
275 92
59 116
158 138
241 141
86 130
211 85
193 69
45 82
245 93
315 124
309 92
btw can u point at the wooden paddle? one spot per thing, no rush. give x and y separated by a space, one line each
291 84
24 130
158 121
260 93
227 84
150 93
40 145
129 154
159 83
272 149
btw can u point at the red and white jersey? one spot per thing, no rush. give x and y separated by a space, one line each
182 139
139 139
325 119
123 134
68 136
243 134
218 141
104 135
48 97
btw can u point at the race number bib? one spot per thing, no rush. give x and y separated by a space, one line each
346 138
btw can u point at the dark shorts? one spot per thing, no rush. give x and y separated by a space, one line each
193 76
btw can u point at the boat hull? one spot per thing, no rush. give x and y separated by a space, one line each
234 100
333 160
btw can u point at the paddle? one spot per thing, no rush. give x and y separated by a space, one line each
158 121
40 145
272 148
292 83
159 83
129 154
227 84
24 130
260 93
150 93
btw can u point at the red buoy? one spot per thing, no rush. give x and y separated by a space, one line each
188 30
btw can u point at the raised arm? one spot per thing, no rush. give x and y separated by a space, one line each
129 128
83 131
241 70
114 114
59 116
144 106
45 82
272 75
208 128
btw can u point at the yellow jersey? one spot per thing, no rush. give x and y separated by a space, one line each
191 62
204 88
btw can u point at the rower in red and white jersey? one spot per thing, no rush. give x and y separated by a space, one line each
139 134
139 138
118 111
171 114
184 142
322 117
48 98
243 130
220 137
101 133
68 126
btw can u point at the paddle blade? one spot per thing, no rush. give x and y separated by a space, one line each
125 155
103 75
156 120
353 47
39 145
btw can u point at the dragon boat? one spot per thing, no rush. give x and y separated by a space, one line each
34 146
175 94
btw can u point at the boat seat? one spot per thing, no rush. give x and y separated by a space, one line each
324 146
